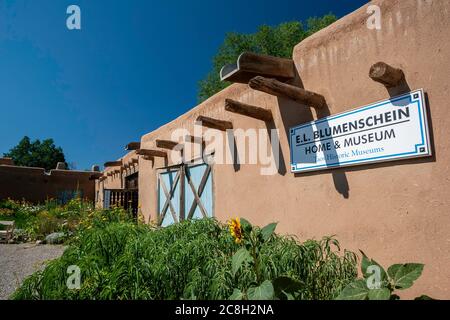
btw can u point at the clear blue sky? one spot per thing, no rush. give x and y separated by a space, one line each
133 67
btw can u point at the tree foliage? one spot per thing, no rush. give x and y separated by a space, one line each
36 153
277 41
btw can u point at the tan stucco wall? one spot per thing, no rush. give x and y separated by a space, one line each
395 212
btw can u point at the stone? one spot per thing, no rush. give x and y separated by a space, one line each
55 238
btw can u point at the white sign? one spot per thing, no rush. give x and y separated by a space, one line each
389 130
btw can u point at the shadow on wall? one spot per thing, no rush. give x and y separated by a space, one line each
281 165
233 150
293 114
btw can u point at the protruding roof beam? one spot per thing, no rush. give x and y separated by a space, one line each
166 144
250 65
214 123
103 178
113 164
280 89
386 74
248 110
151 153
133 146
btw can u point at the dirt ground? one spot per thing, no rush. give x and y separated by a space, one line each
17 261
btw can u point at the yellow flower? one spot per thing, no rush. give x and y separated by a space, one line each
236 229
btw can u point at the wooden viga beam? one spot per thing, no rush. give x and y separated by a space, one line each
215 123
386 74
151 153
166 144
113 164
133 146
280 89
248 110
249 65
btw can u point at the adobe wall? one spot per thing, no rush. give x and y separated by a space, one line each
115 180
395 212
36 186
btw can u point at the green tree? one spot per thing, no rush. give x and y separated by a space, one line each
36 153
277 41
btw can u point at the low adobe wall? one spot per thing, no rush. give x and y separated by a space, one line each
35 185
395 212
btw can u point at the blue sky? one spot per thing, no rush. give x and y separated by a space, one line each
133 67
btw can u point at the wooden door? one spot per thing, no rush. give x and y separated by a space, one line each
185 192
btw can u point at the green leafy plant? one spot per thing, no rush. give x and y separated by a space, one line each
35 222
251 258
36 153
378 284
252 239
188 260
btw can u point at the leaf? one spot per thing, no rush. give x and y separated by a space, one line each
268 230
246 225
357 290
365 263
263 292
285 287
237 295
241 256
404 275
289 296
367 268
379 294
424 297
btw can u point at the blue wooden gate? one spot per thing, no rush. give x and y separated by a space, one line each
185 192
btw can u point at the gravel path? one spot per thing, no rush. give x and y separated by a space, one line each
17 261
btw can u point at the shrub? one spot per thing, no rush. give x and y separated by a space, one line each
379 284
38 221
188 260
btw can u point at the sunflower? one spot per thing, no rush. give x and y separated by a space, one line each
236 230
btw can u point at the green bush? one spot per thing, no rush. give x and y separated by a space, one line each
379 284
189 260
38 221
278 41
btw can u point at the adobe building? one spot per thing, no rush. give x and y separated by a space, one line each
119 183
396 211
35 185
